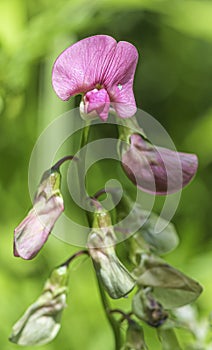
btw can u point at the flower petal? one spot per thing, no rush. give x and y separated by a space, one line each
157 169
81 66
119 79
33 231
98 101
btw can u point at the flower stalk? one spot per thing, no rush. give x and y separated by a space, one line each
81 163
115 325
57 165
74 256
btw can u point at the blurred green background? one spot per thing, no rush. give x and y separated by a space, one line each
172 83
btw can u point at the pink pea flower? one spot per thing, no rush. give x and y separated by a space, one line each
100 69
34 230
156 169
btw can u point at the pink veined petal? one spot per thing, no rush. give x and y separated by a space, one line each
99 101
118 79
29 236
81 66
126 109
33 231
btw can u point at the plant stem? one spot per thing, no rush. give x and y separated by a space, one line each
85 134
125 316
82 184
75 255
61 161
81 162
113 323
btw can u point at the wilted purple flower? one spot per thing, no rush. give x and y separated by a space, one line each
100 69
156 169
33 231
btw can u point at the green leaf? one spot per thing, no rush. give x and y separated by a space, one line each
168 339
158 233
171 287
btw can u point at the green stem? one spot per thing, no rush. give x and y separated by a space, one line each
74 256
127 127
81 162
82 185
85 134
57 165
125 316
113 323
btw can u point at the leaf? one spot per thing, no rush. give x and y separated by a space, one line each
171 287
168 339
159 234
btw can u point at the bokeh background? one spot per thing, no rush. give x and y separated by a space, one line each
172 83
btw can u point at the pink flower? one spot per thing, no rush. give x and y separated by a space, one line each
100 69
33 231
157 169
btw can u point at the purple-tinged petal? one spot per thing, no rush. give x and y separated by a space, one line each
98 62
119 79
98 101
33 231
82 66
157 169
125 109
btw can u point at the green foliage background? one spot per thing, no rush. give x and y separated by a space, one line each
172 83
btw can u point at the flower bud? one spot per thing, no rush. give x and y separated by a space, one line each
148 309
33 231
41 321
114 276
134 337
154 169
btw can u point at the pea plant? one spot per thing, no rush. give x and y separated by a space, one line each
102 72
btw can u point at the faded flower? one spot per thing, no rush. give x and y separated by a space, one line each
41 321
